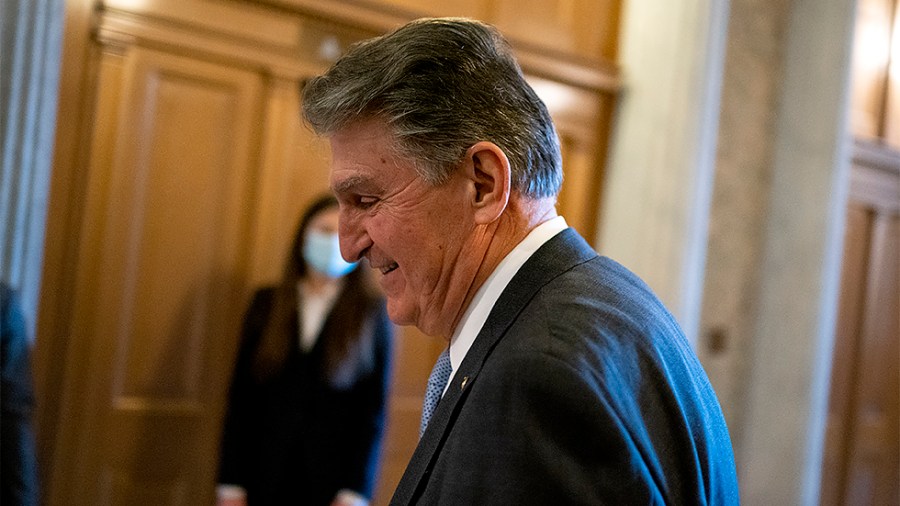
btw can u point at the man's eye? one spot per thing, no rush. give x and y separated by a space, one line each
367 201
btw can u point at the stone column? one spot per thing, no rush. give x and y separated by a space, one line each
662 151
787 394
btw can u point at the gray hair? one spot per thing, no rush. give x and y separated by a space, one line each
442 85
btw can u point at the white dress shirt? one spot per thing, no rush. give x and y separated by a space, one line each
313 307
480 307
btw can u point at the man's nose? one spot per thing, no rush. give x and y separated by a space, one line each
353 237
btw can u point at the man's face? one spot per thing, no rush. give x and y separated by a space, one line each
417 235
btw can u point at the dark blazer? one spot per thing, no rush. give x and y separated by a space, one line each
579 389
298 438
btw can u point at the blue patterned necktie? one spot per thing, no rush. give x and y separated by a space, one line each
436 383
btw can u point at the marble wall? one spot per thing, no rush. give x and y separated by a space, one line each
743 179
776 222
739 230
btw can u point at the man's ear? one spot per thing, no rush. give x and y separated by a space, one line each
489 174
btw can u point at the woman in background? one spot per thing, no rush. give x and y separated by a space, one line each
307 402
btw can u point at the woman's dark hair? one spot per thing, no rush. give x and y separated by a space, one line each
344 326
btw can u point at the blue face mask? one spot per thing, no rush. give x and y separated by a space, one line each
322 251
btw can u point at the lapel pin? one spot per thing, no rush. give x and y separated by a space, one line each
465 381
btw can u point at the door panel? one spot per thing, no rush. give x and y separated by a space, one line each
874 447
162 279
862 445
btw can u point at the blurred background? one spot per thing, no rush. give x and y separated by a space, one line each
742 156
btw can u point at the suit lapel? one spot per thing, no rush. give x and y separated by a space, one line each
559 254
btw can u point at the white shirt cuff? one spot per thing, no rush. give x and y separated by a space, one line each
349 497
225 491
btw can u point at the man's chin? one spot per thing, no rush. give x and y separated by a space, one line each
399 314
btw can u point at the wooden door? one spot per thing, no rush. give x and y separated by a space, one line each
862 446
162 280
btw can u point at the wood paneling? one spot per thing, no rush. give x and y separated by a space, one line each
161 268
479 9
586 28
570 41
862 447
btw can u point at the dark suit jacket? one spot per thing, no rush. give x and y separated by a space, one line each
579 389
297 438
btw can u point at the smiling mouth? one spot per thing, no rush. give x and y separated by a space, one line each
389 268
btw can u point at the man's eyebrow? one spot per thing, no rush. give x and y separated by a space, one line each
350 183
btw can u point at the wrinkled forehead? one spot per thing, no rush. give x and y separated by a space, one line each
363 157
349 181
366 128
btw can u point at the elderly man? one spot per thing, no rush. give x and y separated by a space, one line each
569 382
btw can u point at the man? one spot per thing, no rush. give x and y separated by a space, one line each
570 382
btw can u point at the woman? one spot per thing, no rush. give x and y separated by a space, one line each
307 403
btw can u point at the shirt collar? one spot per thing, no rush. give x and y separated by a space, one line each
480 307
